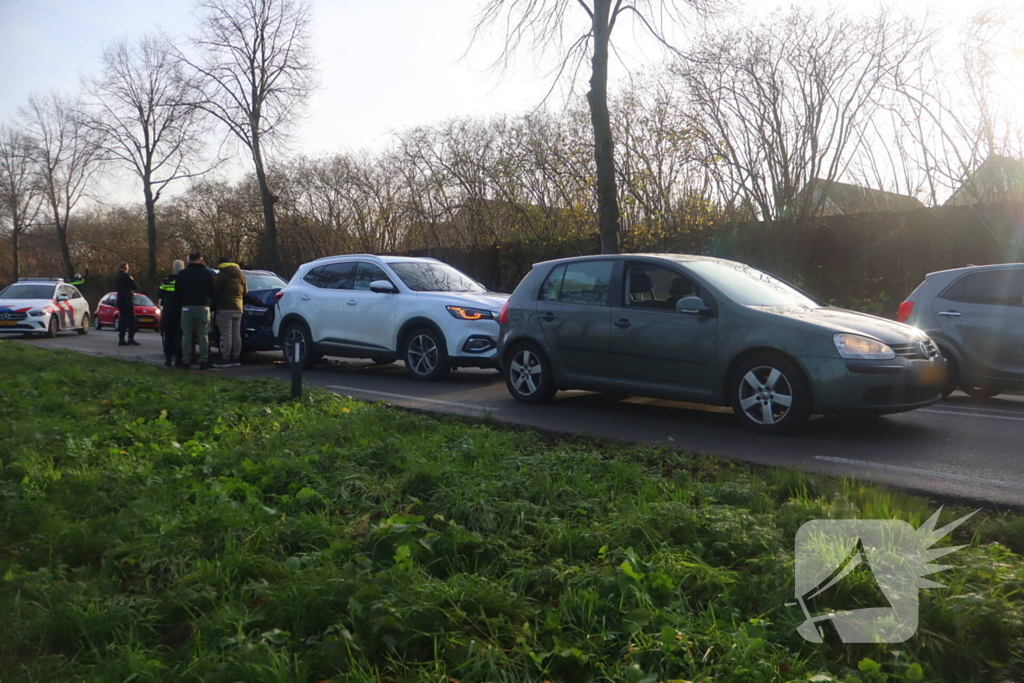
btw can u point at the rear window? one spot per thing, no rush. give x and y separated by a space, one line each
988 288
585 283
257 281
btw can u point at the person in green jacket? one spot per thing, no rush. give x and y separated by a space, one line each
230 289
79 280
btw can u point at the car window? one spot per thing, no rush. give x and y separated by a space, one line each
434 277
26 291
552 286
750 287
109 300
656 287
258 281
336 276
989 288
367 273
142 300
584 283
313 275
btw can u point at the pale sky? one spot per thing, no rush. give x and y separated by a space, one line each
385 64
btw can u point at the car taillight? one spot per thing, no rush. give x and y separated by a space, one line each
503 318
278 295
906 308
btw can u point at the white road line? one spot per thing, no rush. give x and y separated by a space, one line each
407 397
979 410
965 414
915 470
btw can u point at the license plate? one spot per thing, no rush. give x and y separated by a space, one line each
8 322
932 374
145 320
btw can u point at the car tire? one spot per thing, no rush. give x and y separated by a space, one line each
299 333
528 374
770 394
117 323
426 355
84 329
99 325
53 328
981 392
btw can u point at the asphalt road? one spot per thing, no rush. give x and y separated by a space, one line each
960 447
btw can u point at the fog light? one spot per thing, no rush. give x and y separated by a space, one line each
478 344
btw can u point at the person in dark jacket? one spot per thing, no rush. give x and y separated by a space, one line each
170 316
231 289
125 286
195 288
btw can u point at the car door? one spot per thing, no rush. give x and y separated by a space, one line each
105 312
370 316
656 347
327 302
983 312
574 313
66 308
78 303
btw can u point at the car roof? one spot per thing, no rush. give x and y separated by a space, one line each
373 258
954 272
42 280
677 258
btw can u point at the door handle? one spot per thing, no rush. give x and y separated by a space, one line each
351 302
306 297
623 324
547 316
950 314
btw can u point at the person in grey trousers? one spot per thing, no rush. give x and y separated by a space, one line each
231 289
195 288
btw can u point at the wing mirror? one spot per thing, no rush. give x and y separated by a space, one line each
382 287
693 305
61 298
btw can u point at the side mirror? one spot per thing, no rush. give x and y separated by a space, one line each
382 287
61 298
691 304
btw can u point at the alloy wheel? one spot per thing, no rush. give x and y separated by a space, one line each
295 336
422 354
765 395
526 372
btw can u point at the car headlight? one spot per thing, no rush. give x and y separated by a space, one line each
37 312
857 347
463 313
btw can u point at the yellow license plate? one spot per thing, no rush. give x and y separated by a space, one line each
8 322
145 320
933 374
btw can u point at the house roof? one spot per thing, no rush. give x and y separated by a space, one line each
997 179
844 198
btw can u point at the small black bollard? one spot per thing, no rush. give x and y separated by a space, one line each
297 370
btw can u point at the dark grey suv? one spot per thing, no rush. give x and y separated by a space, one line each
711 331
976 316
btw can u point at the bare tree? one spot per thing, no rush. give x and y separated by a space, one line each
19 188
66 153
545 25
258 71
140 105
782 106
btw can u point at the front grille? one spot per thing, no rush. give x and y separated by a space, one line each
13 315
916 350
899 395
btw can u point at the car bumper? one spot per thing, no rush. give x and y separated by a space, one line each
30 324
259 339
879 387
473 344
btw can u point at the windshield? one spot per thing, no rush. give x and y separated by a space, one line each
27 292
258 281
749 286
142 300
434 277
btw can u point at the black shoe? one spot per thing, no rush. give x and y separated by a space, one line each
122 342
132 342
205 365
222 364
167 362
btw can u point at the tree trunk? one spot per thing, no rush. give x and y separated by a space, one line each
15 251
147 190
62 240
604 153
267 199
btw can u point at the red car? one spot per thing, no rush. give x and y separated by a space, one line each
147 313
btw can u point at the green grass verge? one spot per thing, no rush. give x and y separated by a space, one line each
160 526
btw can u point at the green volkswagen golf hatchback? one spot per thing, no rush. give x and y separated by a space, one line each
712 331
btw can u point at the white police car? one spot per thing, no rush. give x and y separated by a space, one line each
43 306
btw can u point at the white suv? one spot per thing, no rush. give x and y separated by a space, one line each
425 312
43 306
